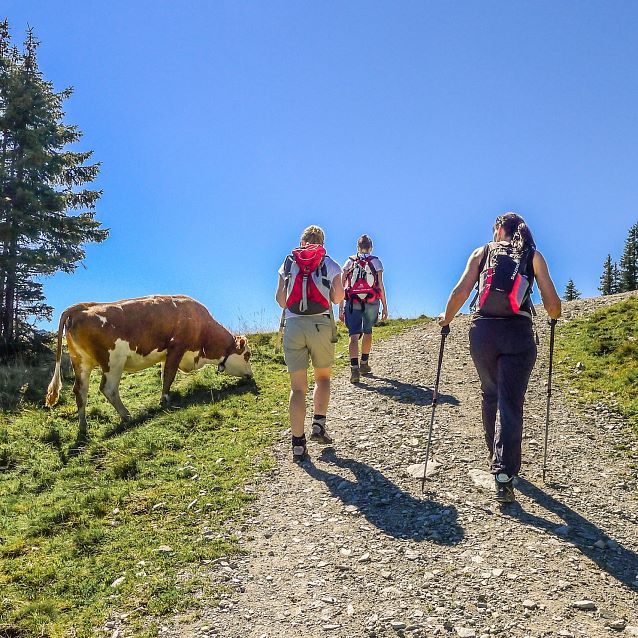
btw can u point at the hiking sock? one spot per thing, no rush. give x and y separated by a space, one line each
365 357
354 362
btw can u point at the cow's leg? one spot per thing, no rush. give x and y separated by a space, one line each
110 387
81 390
171 364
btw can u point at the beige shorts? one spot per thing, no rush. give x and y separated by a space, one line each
306 339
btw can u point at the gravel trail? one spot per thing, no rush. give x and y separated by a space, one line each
348 546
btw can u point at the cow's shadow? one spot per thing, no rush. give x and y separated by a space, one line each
385 505
407 392
192 394
619 562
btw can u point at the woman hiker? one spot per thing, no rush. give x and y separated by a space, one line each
309 282
502 341
364 292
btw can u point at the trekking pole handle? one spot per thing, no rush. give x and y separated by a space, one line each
445 330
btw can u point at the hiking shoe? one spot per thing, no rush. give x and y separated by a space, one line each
355 374
364 367
504 488
319 433
299 450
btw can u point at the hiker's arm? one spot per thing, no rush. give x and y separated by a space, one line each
280 295
463 288
337 294
384 301
551 300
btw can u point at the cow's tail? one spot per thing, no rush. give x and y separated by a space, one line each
53 391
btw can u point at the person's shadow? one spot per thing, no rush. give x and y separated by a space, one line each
385 505
619 562
407 392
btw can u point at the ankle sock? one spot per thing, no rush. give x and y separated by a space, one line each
364 358
354 362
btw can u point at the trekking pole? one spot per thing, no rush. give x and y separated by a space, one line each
552 323
445 331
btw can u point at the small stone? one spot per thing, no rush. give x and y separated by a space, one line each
482 479
164 549
600 544
562 530
118 581
566 634
529 604
345 552
632 631
497 572
397 624
617 625
416 470
410 554
465 632
612 544
584 605
330 627
349 610
365 558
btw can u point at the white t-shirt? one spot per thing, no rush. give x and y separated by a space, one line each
375 263
333 270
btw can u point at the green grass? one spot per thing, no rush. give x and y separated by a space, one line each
73 521
606 344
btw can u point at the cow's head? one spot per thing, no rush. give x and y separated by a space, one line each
237 363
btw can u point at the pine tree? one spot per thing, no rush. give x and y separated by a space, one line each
629 261
607 278
571 292
615 279
45 213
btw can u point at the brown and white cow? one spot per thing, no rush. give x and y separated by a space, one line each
133 334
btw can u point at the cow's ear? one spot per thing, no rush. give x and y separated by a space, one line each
240 344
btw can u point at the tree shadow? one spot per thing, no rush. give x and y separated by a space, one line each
619 562
407 392
384 505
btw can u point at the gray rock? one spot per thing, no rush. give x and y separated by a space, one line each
465 632
584 605
416 470
482 479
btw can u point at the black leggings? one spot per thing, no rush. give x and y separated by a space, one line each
504 353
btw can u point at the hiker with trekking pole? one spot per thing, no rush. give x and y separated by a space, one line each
365 297
502 342
309 283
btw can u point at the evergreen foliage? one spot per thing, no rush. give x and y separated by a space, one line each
46 216
629 262
607 282
571 291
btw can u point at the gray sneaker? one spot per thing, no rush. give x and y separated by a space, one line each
365 368
355 374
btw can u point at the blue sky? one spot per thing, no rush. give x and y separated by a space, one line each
225 128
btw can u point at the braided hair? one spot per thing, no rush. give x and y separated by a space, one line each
515 227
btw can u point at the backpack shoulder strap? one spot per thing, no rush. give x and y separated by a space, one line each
288 265
486 252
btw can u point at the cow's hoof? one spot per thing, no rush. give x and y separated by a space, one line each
165 401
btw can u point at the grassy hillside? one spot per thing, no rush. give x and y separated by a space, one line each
128 522
598 354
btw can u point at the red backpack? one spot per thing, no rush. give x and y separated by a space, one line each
362 280
307 283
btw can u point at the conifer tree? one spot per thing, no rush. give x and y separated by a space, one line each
571 292
606 286
46 216
629 261
615 280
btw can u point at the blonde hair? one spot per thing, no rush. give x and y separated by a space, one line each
364 244
313 235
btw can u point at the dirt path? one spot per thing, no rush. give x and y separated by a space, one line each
348 546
